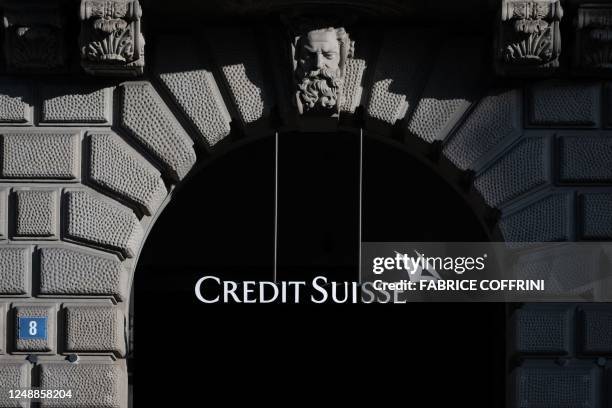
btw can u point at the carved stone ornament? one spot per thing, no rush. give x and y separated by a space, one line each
34 38
529 39
111 40
594 38
320 54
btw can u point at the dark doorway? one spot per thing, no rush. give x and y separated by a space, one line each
222 223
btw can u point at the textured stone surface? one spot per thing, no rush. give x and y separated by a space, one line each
400 68
2 328
596 330
15 100
608 104
193 88
93 384
3 213
116 167
235 53
353 87
585 158
542 330
14 270
548 385
65 271
37 213
94 220
36 345
496 118
148 120
596 216
40 155
543 221
524 168
13 375
448 92
558 268
95 328
563 103
70 104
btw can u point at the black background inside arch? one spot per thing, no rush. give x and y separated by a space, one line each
221 223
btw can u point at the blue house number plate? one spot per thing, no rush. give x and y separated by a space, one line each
33 328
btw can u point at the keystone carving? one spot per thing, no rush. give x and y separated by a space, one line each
529 39
111 40
320 54
594 38
33 36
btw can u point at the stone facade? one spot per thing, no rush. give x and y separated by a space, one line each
88 163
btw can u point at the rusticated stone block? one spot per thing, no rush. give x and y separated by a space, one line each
95 329
595 331
15 100
542 330
37 213
116 167
543 221
607 105
558 266
65 271
584 158
544 384
148 120
3 213
596 216
193 88
450 89
93 384
14 376
68 104
401 66
97 221
522 169
234 50
47 328
2 328
565 104
15 267
496 118
40 155
353 87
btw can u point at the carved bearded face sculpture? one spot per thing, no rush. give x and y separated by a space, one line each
321 56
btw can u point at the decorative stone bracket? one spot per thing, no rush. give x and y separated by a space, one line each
529 39
593 51
111 40
34 36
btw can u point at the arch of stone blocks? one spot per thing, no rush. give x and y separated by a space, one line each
87 165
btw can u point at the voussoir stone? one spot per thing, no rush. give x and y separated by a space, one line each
118 168
94 220
146 118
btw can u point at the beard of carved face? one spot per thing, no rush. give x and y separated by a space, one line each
319 89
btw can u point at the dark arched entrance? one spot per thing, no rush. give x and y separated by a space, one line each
222 223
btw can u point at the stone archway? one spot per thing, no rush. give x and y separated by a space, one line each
88 163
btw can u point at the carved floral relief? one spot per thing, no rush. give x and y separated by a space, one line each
111 39
529 34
